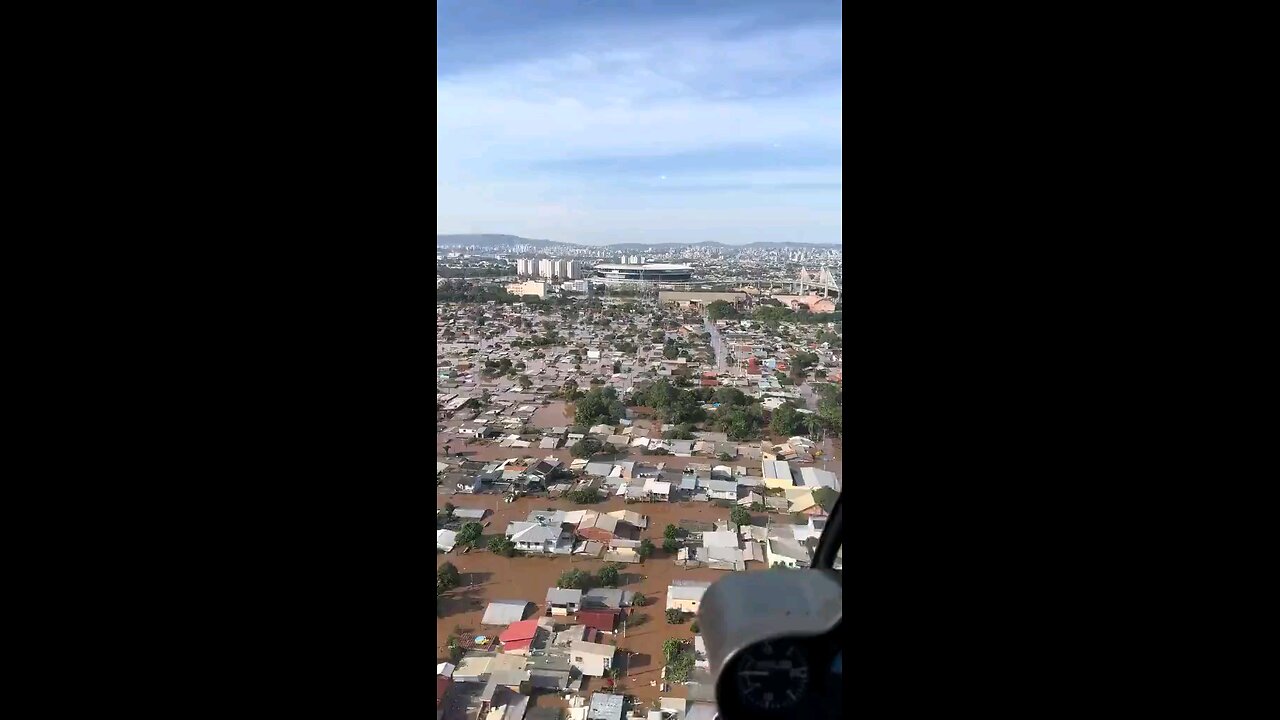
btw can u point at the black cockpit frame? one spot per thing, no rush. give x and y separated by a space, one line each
829 544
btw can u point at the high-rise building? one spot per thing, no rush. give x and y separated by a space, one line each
571 270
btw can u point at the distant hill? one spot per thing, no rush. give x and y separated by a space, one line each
790 245
446 241
492 241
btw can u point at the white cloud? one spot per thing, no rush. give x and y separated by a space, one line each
681 94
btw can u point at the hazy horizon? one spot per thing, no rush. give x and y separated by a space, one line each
617 242
595 124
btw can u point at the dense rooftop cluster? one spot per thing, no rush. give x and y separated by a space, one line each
566 424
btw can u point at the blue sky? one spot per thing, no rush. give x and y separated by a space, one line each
646 121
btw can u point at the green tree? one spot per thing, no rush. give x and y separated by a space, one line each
721 310
583 497
683 431
785 421
448 510
447 578
740 516
812 424
469 533
826 498
730 396
694 627
670 649
575 579
608 576
500 545
670 351
671 545
646 548
586 447
600 406
639 600
675 616
679 669
829 407
671 532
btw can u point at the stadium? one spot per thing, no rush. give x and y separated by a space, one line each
649 273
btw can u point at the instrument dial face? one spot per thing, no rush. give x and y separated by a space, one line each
773 675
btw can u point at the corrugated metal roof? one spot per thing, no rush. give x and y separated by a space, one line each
504 612
564 595
605 706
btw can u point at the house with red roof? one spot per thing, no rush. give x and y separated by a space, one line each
602 620
519 637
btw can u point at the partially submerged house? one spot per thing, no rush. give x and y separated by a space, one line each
814 478
540 538
606 599
785 551
544 468
504 612
597 526
813 529
592 659
686 595
600 620
777 474
520 638
601 469
657 490
634 519
722 490
563 601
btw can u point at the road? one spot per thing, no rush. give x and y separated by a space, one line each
811 403
716 343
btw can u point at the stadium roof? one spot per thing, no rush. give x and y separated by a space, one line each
644 266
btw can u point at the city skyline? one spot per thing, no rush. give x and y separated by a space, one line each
665 124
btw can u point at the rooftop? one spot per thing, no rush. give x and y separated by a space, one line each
605 706
643 266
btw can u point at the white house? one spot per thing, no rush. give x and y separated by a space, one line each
591 659
657 489
722 490
813 478
785 551
812 530
686 595
539 538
